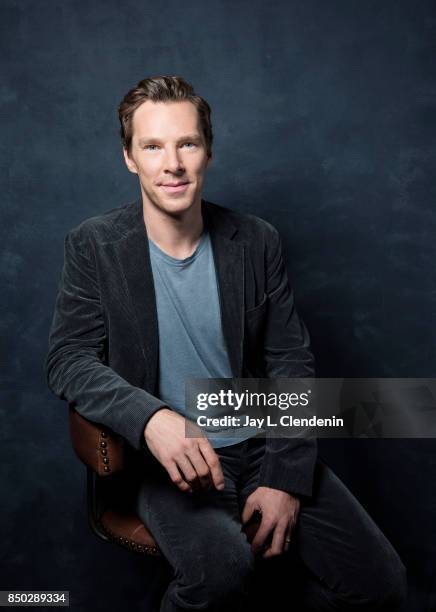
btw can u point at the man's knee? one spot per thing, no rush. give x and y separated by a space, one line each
231 579
386 589
216 582
383 588
392 590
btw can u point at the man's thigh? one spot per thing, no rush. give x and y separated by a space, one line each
198 533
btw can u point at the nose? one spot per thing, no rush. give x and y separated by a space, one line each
173 162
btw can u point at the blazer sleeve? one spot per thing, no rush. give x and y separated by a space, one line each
288 462
75 367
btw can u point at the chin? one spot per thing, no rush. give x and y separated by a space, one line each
172 203
174 206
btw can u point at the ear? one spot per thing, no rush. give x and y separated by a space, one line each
129 162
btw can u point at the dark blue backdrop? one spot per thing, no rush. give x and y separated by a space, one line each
324 115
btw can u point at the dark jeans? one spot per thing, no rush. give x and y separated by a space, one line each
338 558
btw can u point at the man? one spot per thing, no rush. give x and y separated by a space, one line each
174 287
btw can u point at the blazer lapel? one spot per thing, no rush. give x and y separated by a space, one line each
229 265
133 257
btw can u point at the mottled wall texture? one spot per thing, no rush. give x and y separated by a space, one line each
324 114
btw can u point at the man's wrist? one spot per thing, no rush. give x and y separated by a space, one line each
153 415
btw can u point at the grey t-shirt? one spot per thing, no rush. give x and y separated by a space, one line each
191 342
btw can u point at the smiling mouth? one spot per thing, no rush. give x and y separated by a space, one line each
178 188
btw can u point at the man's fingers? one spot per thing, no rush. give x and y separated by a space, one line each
288 536
201 468
278 541
213 462
187 470
247 511
262 534
176 477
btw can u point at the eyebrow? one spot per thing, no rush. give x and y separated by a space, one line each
145 140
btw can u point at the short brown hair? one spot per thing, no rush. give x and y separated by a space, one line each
163 89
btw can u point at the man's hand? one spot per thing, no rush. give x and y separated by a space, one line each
279 511
191 463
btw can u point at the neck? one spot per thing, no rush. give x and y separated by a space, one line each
176 235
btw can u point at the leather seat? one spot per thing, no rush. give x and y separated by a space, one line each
104 454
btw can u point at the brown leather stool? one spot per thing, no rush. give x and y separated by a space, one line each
104 455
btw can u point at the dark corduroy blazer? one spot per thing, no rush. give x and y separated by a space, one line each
103 344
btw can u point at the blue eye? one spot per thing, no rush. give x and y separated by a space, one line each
190 144
149 147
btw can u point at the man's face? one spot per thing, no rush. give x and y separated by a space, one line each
168 152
